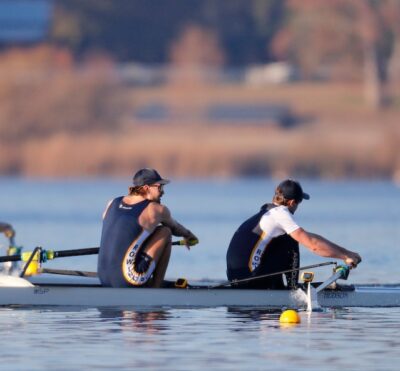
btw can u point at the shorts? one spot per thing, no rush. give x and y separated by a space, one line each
141 270
281 254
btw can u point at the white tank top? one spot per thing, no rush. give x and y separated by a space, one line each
273 223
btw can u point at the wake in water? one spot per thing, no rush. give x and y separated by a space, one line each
299 297
309 300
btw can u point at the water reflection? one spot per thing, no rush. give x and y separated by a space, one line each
173 338
256 318
143 321
244 315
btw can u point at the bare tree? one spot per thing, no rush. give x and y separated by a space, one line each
373 30
393 17
348 33
196 54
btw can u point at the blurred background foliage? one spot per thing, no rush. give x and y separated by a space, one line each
145 31
214 88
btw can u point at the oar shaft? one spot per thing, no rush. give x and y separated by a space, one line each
249 279
66 272
51 254
10 258
341 272
183 242
77 252
95 250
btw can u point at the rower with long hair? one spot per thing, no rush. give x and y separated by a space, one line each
135 243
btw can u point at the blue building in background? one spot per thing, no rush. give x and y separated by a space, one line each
24 21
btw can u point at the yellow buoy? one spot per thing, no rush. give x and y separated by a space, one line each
289 316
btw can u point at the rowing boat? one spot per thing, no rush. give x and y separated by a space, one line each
15 291
87 291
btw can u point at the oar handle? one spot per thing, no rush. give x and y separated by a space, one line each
344 271
192 242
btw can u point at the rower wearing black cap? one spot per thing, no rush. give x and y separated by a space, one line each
135 243
268 242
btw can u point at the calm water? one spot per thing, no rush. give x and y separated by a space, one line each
363 216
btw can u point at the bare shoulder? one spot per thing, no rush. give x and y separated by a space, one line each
107 207
156 210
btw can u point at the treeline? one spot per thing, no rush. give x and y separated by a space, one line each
66 110
337 39
143 31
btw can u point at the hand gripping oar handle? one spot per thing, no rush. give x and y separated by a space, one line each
191 242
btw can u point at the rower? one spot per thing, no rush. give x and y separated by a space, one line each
269 241
9 232
135 243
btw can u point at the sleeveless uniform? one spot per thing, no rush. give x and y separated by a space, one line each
120 261
262 245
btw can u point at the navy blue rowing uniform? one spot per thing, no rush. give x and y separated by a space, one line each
255 252
121 263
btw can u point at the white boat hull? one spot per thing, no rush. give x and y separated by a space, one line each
93 296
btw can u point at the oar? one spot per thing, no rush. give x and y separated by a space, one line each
249 279
49 254
341 272
67 272
52 254
191 242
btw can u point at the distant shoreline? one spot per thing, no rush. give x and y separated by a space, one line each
69 137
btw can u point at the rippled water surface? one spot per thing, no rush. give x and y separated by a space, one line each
363 216
198 339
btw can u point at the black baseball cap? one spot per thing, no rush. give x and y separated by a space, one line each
148 176
291 190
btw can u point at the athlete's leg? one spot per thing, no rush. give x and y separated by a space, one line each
161 267
158 247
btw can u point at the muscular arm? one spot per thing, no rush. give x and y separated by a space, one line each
160 214
323 247
177 229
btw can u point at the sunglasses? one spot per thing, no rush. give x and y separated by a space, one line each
159 186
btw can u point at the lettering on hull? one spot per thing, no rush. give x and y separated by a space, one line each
335 295
40 291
